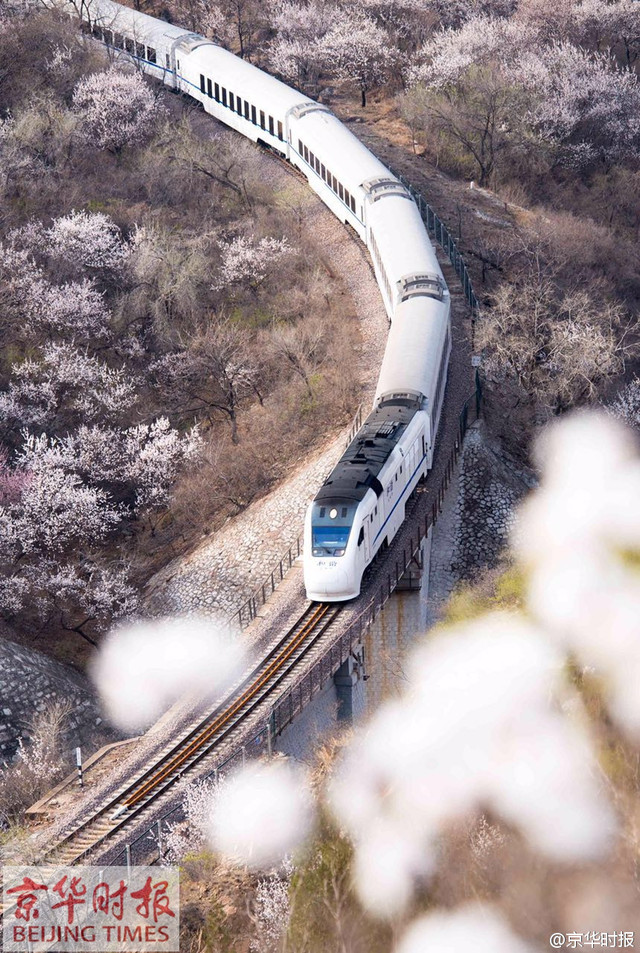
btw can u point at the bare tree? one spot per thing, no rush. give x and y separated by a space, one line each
556 349
213 374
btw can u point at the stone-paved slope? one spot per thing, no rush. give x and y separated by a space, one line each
29 681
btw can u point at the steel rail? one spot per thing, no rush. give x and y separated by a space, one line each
219 723
199 742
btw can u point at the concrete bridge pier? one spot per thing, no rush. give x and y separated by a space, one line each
349 675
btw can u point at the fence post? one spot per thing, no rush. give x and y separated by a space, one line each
127 854
269 744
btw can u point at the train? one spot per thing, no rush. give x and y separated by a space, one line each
361 505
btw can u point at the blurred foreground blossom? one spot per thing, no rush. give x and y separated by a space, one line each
578 537
480 726
262 813
145 667
474 927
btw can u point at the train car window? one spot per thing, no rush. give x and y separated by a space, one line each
352 203
209 89
129 46
271 126
140 50
232 101
238 105
318 165
346 197
108 37
246 109
312 159
224 96
178 64
253 115
280 132
344 512
300 147
118 41
372 517
322 511
96 31
167 60
376 511
217 92
323 172
396 477
151 54
334 183
262 120
361 536
202 88
340 190
400 468
306 154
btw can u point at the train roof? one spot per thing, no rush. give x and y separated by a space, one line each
339 149
244 78
357 470
123 19
413 352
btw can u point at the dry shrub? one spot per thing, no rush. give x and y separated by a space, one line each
40 762
587 251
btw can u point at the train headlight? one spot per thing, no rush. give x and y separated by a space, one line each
338 552
333 513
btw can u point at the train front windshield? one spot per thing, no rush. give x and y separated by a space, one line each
330 527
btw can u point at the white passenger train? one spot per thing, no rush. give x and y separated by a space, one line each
361 505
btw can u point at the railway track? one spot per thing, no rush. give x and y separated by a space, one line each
139 796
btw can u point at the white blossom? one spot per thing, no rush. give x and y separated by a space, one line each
249 260
87 239
66 380
272 907
116 109
99 591
147 456
578 537
144 667
73 310
475 927
55 511
190 835
477 727
356 48
626 406
450 53
296 53
581 101
262 813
